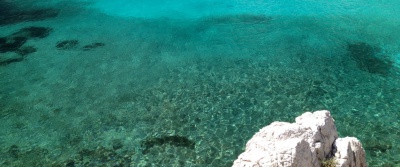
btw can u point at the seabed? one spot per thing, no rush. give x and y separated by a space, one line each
82 86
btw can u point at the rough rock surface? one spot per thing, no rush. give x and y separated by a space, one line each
305 143
350 152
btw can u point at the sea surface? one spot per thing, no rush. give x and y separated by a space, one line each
188 83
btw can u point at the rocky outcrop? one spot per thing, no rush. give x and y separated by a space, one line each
350 152
313 138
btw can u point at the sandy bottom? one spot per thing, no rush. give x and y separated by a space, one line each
191 92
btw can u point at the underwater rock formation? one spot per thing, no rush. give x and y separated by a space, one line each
15 42
12 43
178 141
11 14
10 59
93 46
67 44
238 18
308 142
33 32
25 50
367 59
73 43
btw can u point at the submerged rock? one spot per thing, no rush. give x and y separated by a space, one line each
33 32
238 18
10 58
10 44
93 46
25 50
15 42
367 59
308 142
73 44
11 14
67 44
178 141
13 151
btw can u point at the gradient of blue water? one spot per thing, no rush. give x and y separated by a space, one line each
192 29
359 12
196 9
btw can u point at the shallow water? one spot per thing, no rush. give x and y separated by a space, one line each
157 83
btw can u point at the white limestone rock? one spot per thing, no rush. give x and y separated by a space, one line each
350 152
301 144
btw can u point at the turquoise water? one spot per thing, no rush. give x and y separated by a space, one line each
187 83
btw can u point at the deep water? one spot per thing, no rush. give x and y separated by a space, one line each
187 83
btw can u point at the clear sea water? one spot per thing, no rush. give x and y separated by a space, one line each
187 83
